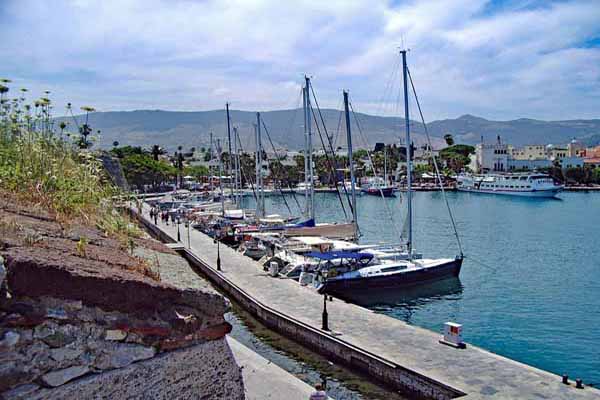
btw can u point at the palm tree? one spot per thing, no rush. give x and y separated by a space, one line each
449 139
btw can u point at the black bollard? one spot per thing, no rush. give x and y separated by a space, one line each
218 256
578 383
325 325
565 379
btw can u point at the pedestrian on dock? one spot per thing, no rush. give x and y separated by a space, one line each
319 393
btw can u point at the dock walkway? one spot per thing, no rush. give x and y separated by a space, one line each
474 372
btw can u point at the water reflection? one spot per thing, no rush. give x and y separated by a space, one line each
412 296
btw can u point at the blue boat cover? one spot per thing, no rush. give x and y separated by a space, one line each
308 223
336 255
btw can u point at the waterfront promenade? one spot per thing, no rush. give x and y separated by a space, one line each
475 372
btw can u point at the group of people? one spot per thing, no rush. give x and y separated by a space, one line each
164 216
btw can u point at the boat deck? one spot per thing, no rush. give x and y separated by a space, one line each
478 373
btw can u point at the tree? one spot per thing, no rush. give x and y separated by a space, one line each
142 169
449 139
457 157
197 171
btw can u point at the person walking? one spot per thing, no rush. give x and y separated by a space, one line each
319 393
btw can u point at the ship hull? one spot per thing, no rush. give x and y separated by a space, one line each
531 193
341 287
387 192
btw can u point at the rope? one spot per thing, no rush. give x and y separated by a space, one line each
335 164
435 164
387 207
279 161
337 190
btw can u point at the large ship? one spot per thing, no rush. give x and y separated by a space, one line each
516 184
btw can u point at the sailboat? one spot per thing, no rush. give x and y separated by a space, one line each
378 186
376 269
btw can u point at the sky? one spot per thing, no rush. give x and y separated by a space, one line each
498 59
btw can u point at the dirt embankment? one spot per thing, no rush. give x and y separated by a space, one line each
79 314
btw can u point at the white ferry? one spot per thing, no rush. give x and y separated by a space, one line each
517 184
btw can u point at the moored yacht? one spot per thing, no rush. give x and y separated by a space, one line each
386 267
515 184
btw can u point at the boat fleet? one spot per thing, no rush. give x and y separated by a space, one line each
330 257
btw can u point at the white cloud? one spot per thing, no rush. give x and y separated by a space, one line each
522 60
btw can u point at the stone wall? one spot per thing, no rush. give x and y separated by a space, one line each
94 324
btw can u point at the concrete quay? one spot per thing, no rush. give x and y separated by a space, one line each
405 357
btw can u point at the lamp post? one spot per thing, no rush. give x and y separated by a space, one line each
325 320
217 241
187 225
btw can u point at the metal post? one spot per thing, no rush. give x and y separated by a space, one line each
325 320
218 253
188 233
178 234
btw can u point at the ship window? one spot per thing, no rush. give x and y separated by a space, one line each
528 187
390 269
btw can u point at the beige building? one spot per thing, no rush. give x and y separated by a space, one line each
556 153
529 152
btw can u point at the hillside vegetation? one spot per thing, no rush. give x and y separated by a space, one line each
47 167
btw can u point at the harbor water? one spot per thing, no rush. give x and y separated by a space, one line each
530 284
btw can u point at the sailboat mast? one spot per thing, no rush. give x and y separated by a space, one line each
260 207
351 166
306 208
311 191
229 148
210 165
236 167
220 155
408 155
385 178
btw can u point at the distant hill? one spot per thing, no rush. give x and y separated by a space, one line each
469 129
170 129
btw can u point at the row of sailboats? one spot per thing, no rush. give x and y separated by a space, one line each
325 254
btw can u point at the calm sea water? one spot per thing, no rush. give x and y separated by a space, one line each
530 284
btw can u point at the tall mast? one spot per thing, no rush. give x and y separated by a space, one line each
306 173
385 164
260 206
351 166
229 146
236 167
210 166
220 154
311 191
408 154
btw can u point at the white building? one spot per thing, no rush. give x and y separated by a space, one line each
491 157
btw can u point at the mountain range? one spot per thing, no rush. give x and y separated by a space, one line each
171 129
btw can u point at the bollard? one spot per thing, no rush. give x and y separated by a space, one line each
578 383
565 379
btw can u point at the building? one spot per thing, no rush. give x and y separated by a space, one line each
576 149
556 153
529 152
500 157
491 157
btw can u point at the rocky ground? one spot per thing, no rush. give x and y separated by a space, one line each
84 315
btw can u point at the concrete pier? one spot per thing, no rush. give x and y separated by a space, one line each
391 351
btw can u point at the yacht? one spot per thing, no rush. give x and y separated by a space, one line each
515 184
377 186
384 267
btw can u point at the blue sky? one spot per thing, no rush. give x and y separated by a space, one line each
500 59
